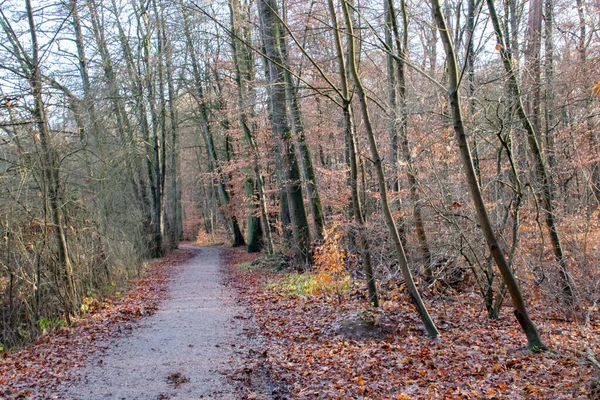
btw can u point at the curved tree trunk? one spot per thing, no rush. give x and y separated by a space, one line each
533 337
362 97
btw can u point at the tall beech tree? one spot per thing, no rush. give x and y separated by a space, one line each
271 34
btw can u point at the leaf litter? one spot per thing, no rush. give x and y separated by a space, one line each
310 345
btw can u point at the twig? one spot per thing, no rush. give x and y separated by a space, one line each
591 357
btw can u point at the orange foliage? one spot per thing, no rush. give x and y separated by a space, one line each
329 263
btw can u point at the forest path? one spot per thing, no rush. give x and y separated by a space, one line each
184 351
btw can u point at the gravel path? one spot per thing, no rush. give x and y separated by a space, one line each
184 351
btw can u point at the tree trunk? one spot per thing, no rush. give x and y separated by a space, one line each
540 167
176 221
588 99
254 186
238 238
362 97
402 48
549 84
50 168
470 63
532 73
124 127
271 32
395 119
154 157
308 171
533 337
350 136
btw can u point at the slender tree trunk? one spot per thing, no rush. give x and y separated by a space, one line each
90 111
512 24
540 167
595 146
91 129
350 136
532 62
402 48
154 168
238 238
410 284
176 221
50 167
470 60
549 84
308 171
533 337
124 126
254 187
162 101
395 118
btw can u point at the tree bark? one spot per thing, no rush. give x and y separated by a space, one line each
271 32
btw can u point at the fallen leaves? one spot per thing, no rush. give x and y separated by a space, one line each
177 379
474 358
596 89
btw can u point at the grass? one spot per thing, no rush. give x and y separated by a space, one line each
308 284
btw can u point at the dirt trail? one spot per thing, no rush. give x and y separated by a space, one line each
184 351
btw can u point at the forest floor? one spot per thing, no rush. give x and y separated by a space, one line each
208 322
333 346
